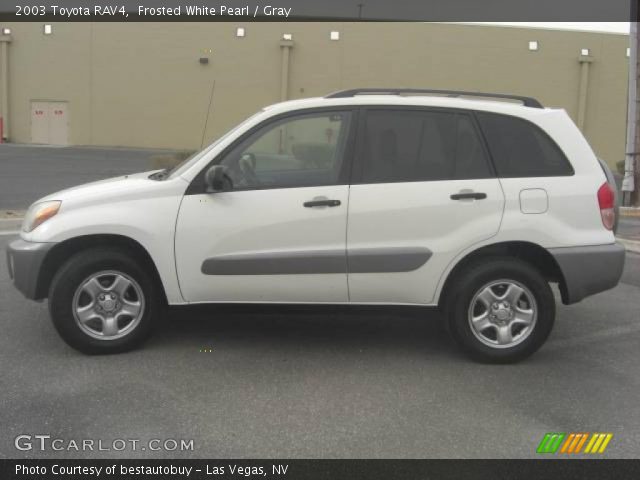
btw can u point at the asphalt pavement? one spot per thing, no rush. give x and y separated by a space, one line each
629 227
29 172
296 382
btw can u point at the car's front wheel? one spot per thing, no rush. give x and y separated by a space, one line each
103 301
501 310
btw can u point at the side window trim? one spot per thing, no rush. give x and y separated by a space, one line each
357 171
358 159
471 114
197 185
485 143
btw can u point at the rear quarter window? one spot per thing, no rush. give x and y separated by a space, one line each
521 149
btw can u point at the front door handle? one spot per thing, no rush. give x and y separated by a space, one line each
322 203
468 196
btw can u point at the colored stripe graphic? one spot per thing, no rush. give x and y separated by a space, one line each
550 442
567 443
581 443
598 443
572 443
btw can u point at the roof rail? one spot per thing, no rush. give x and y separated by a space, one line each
526 101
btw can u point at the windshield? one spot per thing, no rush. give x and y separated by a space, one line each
193 159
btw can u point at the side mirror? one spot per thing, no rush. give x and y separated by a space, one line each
217 180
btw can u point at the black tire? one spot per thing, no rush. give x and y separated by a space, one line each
471 280
69 278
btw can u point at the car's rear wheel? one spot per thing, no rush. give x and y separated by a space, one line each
501 310
103 301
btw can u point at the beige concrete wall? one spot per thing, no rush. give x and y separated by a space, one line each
140 84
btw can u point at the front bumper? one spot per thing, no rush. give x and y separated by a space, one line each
588 270
25 260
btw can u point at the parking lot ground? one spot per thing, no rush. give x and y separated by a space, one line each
29 172
629 226
322 383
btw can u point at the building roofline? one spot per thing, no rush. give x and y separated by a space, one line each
532 27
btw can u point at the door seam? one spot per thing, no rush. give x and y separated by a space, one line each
346 243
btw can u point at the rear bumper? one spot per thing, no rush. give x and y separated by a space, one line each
24 260
588 270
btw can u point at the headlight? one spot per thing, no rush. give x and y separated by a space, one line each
39 213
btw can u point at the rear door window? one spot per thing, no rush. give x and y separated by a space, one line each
415 146
521 149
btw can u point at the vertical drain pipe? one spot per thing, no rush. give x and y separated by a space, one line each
629 185
4 81
285 46
584 60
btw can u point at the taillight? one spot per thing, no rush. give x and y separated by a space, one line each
606 201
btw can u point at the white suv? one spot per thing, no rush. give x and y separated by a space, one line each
465 201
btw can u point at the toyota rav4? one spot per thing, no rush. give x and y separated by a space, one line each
474 203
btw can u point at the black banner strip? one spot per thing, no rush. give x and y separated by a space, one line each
317 11
583 469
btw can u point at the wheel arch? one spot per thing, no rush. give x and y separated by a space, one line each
64 250
533 254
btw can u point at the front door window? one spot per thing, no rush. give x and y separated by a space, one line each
302 151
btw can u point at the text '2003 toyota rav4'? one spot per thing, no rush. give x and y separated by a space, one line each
469 202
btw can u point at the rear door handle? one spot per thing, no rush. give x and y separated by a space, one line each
468 196
322 203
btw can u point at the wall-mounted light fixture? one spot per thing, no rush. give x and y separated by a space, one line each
47 29
6 31
204 60
533 45
240 32
628 52
334 35
287 36
585 52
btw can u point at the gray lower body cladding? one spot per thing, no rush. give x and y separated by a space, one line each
589 270
24 260
366 260
586 270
